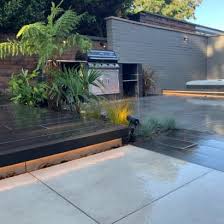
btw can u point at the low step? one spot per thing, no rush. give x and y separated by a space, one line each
194 93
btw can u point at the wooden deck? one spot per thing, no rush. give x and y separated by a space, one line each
31 133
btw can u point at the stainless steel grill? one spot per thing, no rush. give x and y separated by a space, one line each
107 63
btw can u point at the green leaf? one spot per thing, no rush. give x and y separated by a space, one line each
47 40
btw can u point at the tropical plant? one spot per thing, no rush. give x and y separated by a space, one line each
72 87
25 90
88 78
47 40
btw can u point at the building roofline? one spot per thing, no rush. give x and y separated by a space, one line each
156 26
181 21
207 27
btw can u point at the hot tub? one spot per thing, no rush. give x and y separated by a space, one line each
215 84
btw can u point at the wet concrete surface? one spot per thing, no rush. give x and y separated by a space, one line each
201 114
111 185
127 185
199 202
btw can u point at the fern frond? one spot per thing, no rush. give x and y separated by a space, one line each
55 11
10 48
82 42
47 40
66 23
32 31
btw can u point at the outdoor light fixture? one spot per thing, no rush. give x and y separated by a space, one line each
103 45
186 39
103 115
133 123
132 120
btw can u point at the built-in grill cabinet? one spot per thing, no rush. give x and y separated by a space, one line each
105 62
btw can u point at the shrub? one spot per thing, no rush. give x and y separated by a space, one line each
117 111
169 124
153 126
25 90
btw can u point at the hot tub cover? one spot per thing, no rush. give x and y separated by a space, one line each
208 82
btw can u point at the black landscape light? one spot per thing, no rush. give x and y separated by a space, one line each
133 123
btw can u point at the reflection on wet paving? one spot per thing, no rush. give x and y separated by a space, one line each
190 113
23 129
205 149
175 143
3 99
125 179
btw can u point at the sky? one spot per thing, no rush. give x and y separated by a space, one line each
210 13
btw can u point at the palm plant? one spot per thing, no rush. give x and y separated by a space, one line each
71 87
89 77
47 40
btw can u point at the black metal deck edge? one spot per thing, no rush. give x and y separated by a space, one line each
17 156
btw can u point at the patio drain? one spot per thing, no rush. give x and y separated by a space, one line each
175 143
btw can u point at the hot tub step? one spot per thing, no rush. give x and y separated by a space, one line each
194 93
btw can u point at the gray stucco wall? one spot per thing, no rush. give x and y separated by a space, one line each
215 58
174 59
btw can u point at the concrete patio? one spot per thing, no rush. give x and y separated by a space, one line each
127 185
201 114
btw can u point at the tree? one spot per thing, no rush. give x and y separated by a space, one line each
179 9
47 40
16 13
92 12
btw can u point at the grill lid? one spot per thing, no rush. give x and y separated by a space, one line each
105 56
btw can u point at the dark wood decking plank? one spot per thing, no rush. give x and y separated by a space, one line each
210 156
